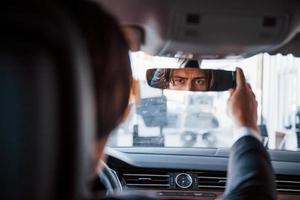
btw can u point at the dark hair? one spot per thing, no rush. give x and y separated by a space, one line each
186 63
110 63
160 78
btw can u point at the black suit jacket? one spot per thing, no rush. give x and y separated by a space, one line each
250 173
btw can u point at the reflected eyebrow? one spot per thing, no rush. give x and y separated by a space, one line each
180 77
200 77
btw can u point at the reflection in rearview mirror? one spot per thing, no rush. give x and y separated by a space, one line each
191 79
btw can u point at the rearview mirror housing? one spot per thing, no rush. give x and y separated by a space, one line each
191 79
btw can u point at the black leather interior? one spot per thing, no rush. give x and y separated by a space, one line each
46 103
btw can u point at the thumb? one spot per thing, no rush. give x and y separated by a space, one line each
231 91
240 78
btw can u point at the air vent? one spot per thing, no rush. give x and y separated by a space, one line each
288 184
149 181
217 181
211 182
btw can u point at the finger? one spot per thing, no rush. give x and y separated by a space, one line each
253 94
249 86
240 78
250 89
231 91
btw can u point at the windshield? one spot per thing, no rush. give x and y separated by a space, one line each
170 118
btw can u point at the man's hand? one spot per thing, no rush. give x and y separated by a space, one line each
242 103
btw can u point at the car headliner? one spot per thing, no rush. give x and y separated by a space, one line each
211 28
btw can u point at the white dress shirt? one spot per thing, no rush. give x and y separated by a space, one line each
245 131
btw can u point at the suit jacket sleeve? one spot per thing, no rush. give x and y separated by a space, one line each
250 173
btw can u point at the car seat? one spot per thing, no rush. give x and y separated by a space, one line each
46 103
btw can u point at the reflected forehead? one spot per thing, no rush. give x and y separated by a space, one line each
188 72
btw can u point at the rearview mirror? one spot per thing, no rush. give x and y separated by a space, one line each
191 79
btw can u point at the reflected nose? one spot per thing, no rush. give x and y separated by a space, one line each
188 86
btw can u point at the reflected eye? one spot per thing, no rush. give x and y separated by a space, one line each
179 81
200 81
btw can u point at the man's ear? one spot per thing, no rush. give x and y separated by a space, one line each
97 153
125 114
134 98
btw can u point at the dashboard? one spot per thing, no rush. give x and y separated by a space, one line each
192 173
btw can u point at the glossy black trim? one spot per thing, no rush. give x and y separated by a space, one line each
200 159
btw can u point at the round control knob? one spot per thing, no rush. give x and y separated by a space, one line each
183 180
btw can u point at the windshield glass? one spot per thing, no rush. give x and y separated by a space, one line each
170 118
